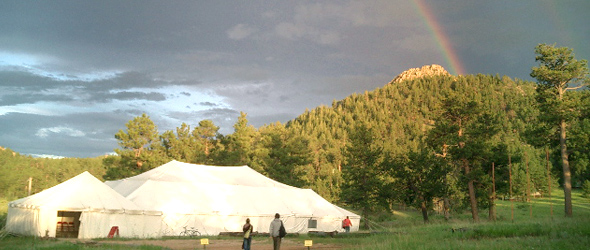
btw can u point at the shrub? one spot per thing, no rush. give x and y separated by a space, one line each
586 189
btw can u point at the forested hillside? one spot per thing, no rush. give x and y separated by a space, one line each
16 169
416 141
402 113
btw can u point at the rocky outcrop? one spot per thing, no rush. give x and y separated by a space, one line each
427 70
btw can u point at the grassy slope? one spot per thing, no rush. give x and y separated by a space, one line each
541 231
523 231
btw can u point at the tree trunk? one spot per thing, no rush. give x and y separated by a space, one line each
424 211
567 176
472 198
447 208
492 210
366 217
422 203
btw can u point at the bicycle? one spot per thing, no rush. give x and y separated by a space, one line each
192 232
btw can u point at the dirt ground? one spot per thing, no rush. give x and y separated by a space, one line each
225 244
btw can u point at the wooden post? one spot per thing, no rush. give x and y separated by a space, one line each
510 181
493 199
493 181
528 186
549 179
30 185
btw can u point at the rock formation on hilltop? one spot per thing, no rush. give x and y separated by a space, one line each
427 70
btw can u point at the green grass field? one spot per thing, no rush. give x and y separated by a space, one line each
515 228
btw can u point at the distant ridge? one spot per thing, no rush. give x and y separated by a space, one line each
427 70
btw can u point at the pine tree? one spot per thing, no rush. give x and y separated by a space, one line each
363 170
558 73
140 145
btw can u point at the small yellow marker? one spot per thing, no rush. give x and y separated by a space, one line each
204 242
308 243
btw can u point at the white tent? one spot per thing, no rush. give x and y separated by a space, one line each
81 207
219 199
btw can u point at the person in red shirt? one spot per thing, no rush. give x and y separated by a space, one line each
346 224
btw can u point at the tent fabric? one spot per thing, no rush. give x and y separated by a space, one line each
76 194
37 215
217 199
166 200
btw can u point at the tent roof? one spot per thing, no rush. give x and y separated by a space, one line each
177 187
82 192
180 172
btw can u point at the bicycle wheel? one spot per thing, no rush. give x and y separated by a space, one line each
184 234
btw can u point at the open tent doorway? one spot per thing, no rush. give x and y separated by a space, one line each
68 224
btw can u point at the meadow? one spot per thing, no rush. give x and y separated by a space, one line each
519 225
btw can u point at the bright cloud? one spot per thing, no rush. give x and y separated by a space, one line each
45 132
240 31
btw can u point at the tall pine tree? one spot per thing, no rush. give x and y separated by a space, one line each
559 72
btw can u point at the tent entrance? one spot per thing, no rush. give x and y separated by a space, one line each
68 224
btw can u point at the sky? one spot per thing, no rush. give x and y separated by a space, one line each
73 73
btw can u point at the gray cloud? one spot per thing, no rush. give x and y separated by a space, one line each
223 118
30 98
209 104
126 95
26 81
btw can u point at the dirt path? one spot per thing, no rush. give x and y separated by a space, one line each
225 244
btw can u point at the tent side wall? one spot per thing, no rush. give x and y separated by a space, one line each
94 224
31 221
23 221
98 224
301 224
213 224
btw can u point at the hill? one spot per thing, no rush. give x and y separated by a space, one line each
16 170
403 111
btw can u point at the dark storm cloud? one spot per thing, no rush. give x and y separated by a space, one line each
111 34
25 81
25 87
125 80
126 95
30 98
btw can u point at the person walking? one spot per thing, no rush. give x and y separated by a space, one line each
247 228
346 224
273 231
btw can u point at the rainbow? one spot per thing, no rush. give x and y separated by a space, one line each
443 42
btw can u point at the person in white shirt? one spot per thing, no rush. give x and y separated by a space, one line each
273 231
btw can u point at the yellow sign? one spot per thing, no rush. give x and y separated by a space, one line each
308 243
204 241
